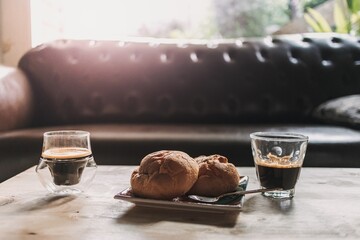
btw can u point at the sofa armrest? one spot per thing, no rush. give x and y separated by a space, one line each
16 101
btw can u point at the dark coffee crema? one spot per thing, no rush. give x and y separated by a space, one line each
66 164
65 153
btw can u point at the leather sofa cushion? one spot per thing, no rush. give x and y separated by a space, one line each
120 144
343 111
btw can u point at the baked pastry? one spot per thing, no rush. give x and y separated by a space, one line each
164 175
216 176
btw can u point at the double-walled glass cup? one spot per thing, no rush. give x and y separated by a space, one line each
66 165
278 159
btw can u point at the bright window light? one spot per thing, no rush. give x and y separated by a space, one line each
111 19
119 19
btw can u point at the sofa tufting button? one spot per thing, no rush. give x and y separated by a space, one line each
262 55
92 43
212 45
135 57
326 63
104 57
164 57
182 45
154 44
336 40
227 57
307 40
72 60
121 44
194 57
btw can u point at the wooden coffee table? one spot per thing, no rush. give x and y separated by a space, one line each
326 206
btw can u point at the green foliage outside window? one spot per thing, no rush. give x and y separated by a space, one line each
312 3
256 18
346 18
227 19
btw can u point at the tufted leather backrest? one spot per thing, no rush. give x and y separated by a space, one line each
264 80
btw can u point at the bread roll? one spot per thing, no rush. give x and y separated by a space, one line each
216 176
164 175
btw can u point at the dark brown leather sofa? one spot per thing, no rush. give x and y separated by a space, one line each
136 97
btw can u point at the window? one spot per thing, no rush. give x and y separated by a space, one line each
28 23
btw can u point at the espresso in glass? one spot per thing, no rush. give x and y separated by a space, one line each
66 164
278 158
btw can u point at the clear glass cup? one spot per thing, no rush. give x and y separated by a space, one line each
278 159
66 165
